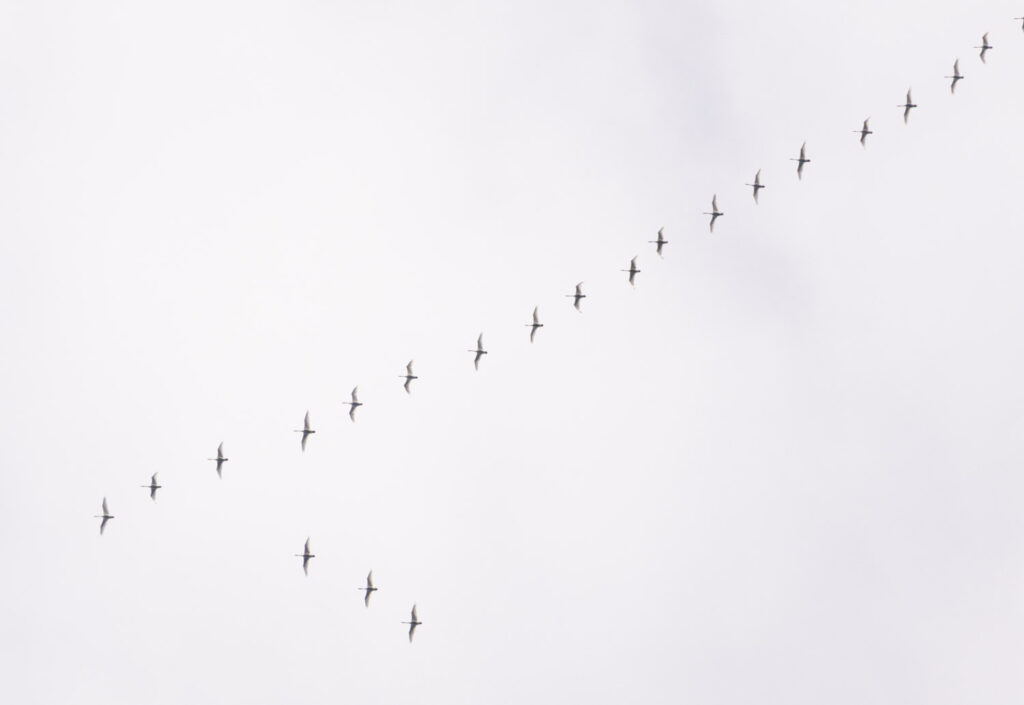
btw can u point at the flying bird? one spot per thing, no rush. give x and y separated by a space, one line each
305 431
660 242
354 404
152 487
480 352
577 296
864 132
714 211
985 46
633 271
413 623
535 325
801 161
220 458
305 556
107 516
956 76
757 185
409 377
907 106
369 589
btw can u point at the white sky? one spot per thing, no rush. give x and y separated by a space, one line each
786 468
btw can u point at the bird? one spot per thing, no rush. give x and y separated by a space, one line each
864 132
535 325
305 556
907 106
480 352
369 589
633 271
306 430
220 458
801 161
413 623
354 404
409 377
956 76
985 46
660 242
107 516
153 487
714 211
757 184
577 296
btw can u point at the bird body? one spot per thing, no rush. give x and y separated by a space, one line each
306 430
907 106
354 404
757 185
409 377
715 213
107 516
413 623
305 556
152 487
577 296
801 161
660 242
956 76
480 352
535 325
632 271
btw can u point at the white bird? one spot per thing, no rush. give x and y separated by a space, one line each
985 46
864 132
305 431
660 242
633 271
409 377
220 458
413 623
535 325
152 487
107 516
757 184
577 296
714 211
480 352
305 556
354 404
956 76
369 589
801 161
907 106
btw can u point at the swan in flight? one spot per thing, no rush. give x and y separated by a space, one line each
354 404
535 325
577 296
409 377
306 430
480 352
633 271
714 211
107 516
152 487
369 589
660 242
864 132
757 185
220 458
305 556
801 161
956 76
985 46
907 106
413 623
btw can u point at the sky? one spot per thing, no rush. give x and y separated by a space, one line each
785 467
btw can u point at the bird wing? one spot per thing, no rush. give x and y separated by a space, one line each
369 579
757 178
909 100
408 368
414 617
956 67
305 424
103 524
304 437
579 288
105 510
307 545
632 263
535 314
984 38
803 150
714 203
355 394
220 451
480 342
153 479
865 124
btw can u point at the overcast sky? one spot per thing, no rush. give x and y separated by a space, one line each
786 468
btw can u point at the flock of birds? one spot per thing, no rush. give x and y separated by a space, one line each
478 352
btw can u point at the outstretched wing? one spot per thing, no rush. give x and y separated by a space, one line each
408 368
480 342
305 423
535 314
105 510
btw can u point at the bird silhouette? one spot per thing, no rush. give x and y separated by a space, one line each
864 132
480 352
413 623
354 404
152 487
801 161
220 459
714 211
757 185
633 271
577 296
956 76
305 431
409 377
369 589
107 516
660 242
535 325
907 106
985 46
305 556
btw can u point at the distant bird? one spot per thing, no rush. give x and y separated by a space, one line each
354 404
577 296
660 242
864 132
907 106
714 211
306 430
956 76
413 623
220 458
107 516
801 161
305 556
369 589
757 185
985 46
480 352
633 271
152 487
409 377
535 325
